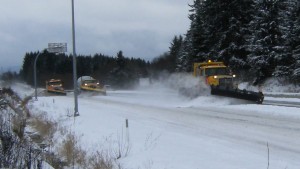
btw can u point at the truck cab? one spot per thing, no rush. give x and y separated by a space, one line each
215 74
88 83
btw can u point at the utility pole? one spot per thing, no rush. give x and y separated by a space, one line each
76 113
34 74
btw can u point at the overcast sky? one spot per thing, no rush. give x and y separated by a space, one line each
140 28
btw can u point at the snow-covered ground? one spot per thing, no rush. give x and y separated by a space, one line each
168 131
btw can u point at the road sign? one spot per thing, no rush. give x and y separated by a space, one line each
57 47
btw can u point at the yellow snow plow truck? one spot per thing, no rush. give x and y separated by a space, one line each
222 81
55 86
88 83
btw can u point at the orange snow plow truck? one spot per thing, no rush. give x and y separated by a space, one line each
222 81
55 86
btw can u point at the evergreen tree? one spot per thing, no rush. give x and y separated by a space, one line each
233 43
260 35
185 56
123 76
267 44
214 23
227 22
173 53
193 46
160 63
295 42
120 60
198 34
168 61
84 65
26 71
219 31
284 58
123 71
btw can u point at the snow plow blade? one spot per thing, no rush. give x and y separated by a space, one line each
94 90
257 97
57 92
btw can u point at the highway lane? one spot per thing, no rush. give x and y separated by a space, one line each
252 129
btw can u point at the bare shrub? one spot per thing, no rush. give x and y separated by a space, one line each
72 152
54 160
100 160
63 130
122 146
16 151
24 104
18 125
26 100
69 112
69 151
44 126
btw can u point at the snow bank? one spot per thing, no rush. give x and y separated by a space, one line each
272 85
22 89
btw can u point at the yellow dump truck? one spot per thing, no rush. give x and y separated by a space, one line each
222 81
55 86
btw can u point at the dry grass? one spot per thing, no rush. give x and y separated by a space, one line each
44 126
69 152
19 125
24 104
72 152
100 160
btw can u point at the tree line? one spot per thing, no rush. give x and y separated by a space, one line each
260 38
118 71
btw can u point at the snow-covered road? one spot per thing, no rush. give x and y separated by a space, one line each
291 101
173 132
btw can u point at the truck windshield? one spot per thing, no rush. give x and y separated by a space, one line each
217 71
54 83
90 81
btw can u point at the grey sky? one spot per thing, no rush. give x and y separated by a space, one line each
140 28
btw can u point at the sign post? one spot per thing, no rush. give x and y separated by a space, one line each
57 47
52 48
76 113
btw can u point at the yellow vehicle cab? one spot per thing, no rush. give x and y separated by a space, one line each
215 73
